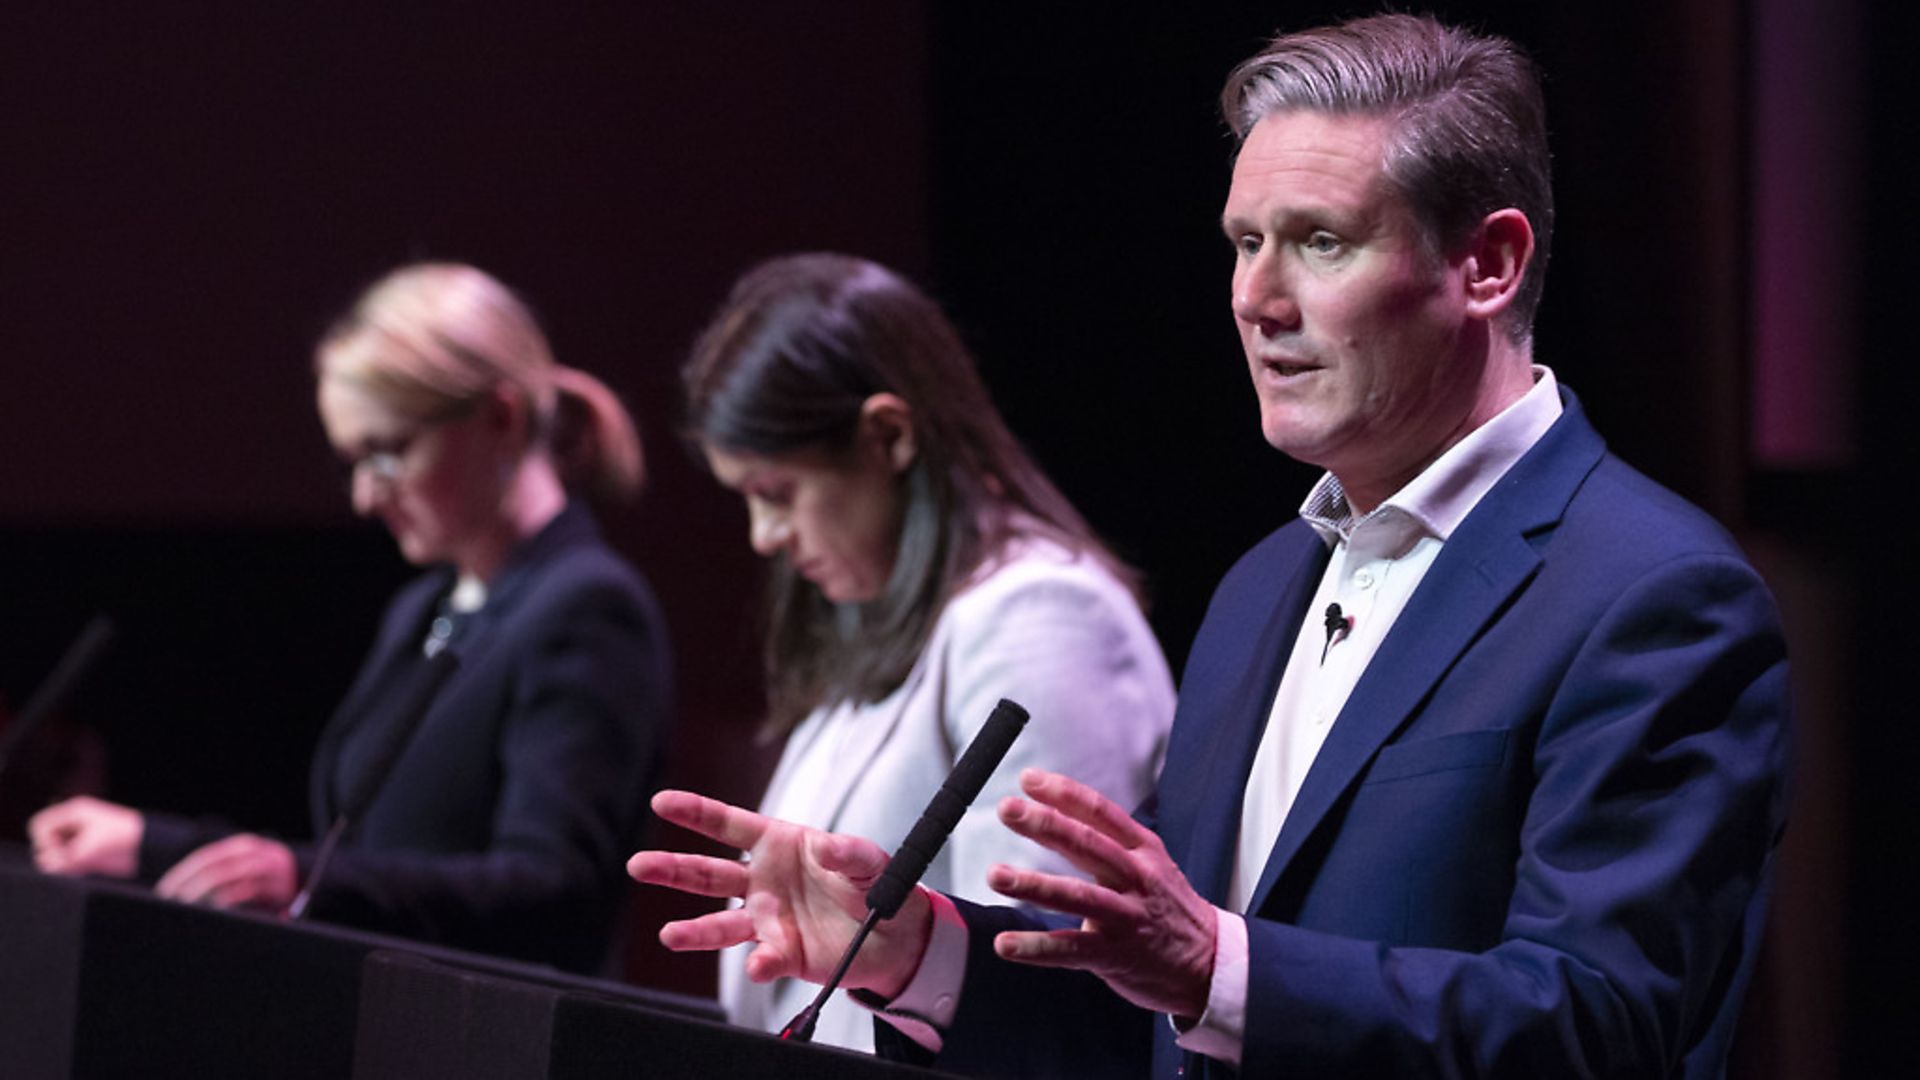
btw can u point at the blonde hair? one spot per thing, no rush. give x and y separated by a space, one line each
433 339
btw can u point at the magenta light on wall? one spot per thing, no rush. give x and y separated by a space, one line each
1806 233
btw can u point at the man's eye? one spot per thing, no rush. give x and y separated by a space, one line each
1321 242
1247 245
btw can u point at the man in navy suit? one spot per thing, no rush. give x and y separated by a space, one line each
1478 767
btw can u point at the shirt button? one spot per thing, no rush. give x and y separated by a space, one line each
1364 579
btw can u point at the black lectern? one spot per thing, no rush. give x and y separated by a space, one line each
100 980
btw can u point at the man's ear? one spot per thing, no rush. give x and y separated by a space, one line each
886 424
1496 261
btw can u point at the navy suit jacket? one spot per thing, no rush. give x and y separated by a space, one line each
1537 839
504 823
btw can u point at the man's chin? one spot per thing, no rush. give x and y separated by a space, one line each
1296 440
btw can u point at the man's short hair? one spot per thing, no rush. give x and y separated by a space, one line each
1469 126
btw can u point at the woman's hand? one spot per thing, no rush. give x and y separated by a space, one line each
87 836
239 871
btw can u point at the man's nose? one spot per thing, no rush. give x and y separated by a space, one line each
1262 297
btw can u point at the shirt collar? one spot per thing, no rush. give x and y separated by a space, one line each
1439 499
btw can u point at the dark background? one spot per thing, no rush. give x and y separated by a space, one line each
188 193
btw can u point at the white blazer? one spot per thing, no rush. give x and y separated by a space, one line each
1055 632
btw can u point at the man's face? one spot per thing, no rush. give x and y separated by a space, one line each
1356 333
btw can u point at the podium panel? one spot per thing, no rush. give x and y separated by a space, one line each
419 1018
40 924
100 981
422 1018
171 990
599 1040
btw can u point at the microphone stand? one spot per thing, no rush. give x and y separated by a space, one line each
800 1028
923 842
439 668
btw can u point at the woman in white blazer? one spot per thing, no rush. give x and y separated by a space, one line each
922 568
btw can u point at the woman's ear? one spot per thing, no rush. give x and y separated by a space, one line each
507 413
886 425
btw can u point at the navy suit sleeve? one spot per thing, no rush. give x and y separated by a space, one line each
579 745
1017 1021
1639 874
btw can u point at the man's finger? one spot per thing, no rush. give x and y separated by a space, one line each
716 930
1053 948
701 875
1070 896
711 818
768 962
857 860
1085 805
1089 850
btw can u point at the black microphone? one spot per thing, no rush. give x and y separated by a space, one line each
963 785
1337 625
78 662
923 842
426 684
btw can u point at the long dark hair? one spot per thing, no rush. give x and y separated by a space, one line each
798 347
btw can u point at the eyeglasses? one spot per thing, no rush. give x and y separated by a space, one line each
388 459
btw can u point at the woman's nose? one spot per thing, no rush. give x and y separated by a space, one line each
369 489
767 530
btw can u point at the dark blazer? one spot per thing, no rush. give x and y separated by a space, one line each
1536 841
504 824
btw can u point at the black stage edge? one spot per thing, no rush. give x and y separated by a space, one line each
101 980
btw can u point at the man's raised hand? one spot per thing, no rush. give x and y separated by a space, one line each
803 894
1143 929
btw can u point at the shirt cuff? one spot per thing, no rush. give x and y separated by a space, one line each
1221 1031
926 1007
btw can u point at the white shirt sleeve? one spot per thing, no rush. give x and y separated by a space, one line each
926 1007
1221 1031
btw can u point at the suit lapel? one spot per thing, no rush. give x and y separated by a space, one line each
1242 717
379 678
1488 560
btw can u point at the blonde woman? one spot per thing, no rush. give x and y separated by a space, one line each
502 824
